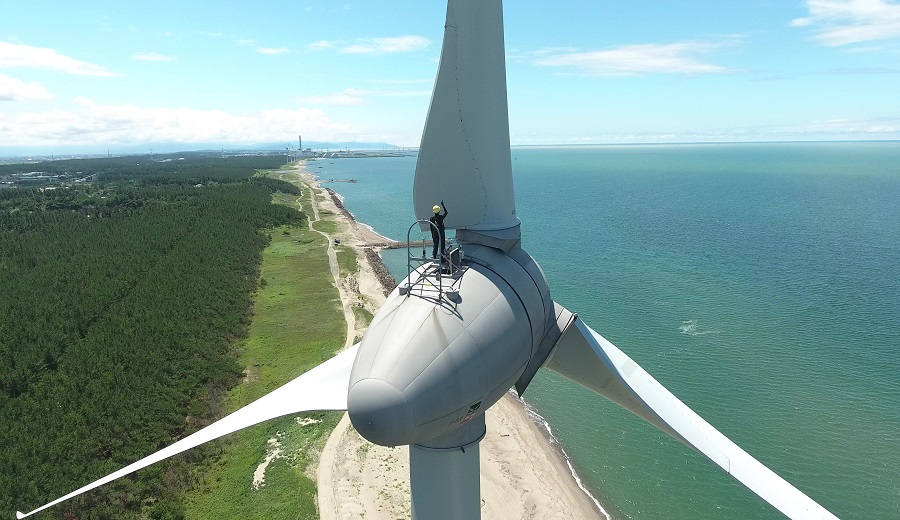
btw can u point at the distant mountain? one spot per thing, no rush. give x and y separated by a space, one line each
45 152
326 145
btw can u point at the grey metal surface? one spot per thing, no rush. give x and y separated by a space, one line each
445 480
464 156
563 319
502 239
430 360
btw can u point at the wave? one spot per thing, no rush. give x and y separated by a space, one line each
539 420
370 228
692 328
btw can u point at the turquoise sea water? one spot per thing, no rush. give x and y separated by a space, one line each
760 283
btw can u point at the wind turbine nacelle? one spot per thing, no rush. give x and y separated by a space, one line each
428 364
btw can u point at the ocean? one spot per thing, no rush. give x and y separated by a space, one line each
760 283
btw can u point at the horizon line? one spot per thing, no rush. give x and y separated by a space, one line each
44 151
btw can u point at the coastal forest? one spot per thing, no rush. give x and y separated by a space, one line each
121 297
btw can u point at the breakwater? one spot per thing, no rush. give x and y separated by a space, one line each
384 277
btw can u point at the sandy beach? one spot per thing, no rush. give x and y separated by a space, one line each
522 474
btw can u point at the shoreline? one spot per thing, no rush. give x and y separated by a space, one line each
525 472
541 423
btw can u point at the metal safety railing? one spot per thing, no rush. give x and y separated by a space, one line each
431 279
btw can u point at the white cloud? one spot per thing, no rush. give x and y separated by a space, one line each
263 50
407 93
151 56
861 71
633 60
319 45
882 129
842 22
14 89
90 123
26 56
387 45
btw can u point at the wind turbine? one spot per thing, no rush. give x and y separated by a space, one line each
447 344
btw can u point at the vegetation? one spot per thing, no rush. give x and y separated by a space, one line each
185 168
286 338
346 258
326 226
120 304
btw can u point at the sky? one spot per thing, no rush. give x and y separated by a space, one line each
102 74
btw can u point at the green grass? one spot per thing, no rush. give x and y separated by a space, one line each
305 201
325 226
297 324
347 261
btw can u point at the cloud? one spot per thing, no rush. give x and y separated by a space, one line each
14 89
263 50
880 129
26 56
861 71
634 60
90 123
407 93
376 45
843 22
151 56
319 45
269 50
388 45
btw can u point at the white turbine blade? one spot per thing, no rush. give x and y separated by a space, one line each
322 388
590 360
464 156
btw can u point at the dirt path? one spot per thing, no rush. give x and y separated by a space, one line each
346 301
381 489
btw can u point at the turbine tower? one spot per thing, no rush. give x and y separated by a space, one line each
457 335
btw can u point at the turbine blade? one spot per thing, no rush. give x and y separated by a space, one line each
321 388
589 359
464 156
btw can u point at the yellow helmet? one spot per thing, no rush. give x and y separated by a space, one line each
436 208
